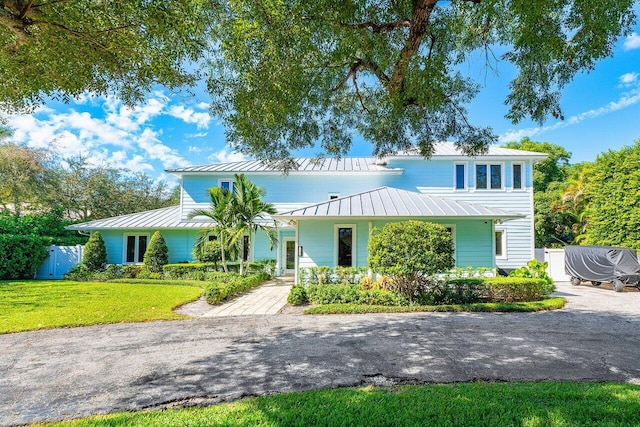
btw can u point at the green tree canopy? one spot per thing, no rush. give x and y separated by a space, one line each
287 75
612 192
65 48
554 168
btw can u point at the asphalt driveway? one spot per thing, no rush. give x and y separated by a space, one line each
68 373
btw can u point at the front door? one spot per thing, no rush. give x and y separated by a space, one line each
289 260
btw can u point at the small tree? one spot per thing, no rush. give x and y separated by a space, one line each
410 252
95 253
157 253
208 252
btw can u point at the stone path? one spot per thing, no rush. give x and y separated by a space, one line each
267 299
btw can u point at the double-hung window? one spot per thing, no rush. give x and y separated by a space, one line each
488 176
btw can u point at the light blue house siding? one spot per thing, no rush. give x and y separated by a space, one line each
472 241
179 242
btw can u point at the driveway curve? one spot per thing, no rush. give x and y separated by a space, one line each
69 373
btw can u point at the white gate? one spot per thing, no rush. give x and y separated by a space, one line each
61 259
555 258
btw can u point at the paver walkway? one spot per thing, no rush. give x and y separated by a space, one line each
269 298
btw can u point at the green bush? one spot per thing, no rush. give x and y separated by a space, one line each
534 269
21 256
453 291
131 271
203 271
229 285
49 224
210 253
95 253
352 294
297 295
332 275
410 252
113 271
514 289
157 254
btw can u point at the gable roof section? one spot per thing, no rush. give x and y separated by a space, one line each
387 202
162 218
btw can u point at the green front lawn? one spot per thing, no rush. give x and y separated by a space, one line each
42 304
463 404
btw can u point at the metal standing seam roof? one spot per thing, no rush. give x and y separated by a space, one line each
157 218
351 164
393 202
163 218
305 164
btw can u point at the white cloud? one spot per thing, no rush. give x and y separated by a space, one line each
227 156
629 79
154 149
203 106
632 42
188 115
627 99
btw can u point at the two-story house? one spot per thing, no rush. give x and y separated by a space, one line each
328 209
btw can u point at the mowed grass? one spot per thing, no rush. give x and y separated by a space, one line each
42 304
463 404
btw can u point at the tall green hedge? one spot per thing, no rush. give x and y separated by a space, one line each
21 256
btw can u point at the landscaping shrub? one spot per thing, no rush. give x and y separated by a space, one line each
332 275
202 271
95 253
410 252
157 253
21 256
514 289
210 253
297 295
131 271
230 285
113 271
533 269
352 294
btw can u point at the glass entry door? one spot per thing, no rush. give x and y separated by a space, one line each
289 256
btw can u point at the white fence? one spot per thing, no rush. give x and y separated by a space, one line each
61 259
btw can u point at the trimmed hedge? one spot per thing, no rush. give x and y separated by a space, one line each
352 294
513 289
503 307
229 285
200 270
21 256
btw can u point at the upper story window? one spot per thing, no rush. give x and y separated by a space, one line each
227 184
488 176
460 176
517 176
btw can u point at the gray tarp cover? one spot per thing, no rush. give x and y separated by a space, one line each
602 263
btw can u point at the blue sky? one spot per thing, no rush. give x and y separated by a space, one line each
601 110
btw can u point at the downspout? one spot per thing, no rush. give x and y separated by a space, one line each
297 258
369 271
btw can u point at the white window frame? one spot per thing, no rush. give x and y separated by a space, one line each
465 184
137 245
522 176
453 238
488 165
354 243
503 242
229 180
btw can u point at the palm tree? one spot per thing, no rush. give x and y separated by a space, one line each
221 213
248 208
